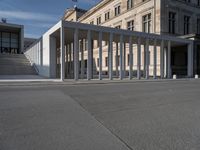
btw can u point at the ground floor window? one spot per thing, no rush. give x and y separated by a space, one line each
9 42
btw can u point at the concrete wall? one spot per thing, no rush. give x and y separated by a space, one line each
42 53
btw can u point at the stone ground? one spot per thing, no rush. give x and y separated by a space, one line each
116 116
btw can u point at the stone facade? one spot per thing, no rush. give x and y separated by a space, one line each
117 14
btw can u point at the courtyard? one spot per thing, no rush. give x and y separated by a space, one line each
146 115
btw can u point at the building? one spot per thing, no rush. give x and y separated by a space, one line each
140 38
28 42
11 38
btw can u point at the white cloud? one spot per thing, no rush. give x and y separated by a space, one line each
28 16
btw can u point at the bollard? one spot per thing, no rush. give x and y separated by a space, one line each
196 76
174 76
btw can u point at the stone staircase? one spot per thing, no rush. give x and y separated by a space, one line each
15 64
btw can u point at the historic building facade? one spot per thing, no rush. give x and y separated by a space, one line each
164 17
122 38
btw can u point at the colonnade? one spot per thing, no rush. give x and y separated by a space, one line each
164 44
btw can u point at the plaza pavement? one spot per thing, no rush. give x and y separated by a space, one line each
162 115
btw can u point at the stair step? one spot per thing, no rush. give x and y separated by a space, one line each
15 64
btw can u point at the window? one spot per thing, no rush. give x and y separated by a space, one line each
85 45
198 26
198 2
117 59
106 43
107 16
106 61
99 20
128 60
97 62
118 27
129 4
85 63
117 10
172 22
146 23
130 25
92 22
186 24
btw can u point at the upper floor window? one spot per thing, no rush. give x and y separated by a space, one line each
99 20
146 21
107 15
130 25
172 22
198 26
117 10
129 4
186 24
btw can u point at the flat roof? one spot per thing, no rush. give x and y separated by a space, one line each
10 27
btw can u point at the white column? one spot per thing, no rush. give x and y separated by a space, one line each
89 61
76 55
190 60
155 59
169 60
82 60
139 58
66 60
124 59
53 57
70 59
110 58
130 57
116 59
162 60
121 58
100 55
147 58
62 50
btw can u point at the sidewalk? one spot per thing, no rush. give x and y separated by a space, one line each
38 80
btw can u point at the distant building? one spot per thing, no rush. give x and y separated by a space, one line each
11 38
28 42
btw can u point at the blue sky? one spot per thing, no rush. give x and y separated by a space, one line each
38 16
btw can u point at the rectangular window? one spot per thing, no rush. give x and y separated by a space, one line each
85 63
97 62
172 22
146 21
198 2
106 43
130 25
106 61
85 45
186 24
117 10
198 26
128 60
117 58
107 16
92 22
99 20
129 4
